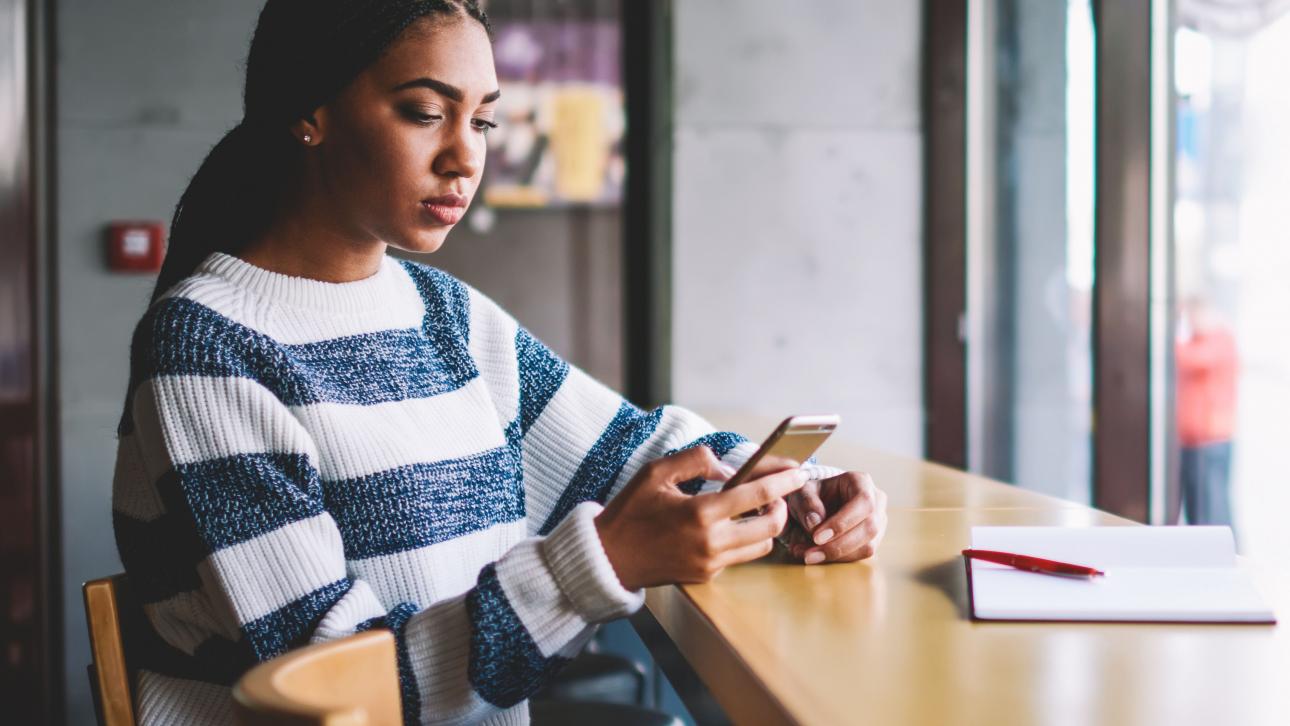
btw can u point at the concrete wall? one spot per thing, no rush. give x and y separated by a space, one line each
797 212
144 89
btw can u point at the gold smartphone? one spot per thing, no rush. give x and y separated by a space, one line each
796 438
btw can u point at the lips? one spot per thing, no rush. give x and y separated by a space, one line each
447 209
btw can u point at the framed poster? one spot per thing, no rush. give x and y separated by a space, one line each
560 139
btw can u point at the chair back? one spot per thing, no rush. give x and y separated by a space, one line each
352 681
106 601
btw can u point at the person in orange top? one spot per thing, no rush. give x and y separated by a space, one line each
1206 360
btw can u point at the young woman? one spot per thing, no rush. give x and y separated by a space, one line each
319 439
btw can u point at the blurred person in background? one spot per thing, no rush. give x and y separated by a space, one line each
1206 360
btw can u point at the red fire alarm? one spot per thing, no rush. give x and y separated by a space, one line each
136 246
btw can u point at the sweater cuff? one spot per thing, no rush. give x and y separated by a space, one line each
743 451
583 571
821 471
734 458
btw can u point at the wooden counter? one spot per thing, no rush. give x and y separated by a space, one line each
888 641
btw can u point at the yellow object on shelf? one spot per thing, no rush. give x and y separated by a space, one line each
579 141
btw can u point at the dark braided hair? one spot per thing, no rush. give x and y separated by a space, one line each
303 54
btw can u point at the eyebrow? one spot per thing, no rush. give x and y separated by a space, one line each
445 89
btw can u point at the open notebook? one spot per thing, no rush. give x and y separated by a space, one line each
1165 574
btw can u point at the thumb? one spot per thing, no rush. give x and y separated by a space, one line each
698 462
806 506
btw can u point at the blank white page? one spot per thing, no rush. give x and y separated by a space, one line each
1181 574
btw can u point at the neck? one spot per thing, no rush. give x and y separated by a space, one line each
308 241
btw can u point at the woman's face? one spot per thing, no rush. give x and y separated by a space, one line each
400 151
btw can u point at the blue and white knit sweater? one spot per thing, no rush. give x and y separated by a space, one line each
300 460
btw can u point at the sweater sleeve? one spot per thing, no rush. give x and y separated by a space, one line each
221 523
580 441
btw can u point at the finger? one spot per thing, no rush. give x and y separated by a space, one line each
748 553
869 549
854 544
797 541
882 530
766 465
806 506
881 518
852 512
698 462
743 532
771 464
756 493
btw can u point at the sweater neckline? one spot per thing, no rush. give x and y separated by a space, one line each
370 292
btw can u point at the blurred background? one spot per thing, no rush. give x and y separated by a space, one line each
1043 240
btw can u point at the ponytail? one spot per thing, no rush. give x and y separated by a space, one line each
229 202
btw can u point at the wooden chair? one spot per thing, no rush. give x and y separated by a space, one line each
107 604
353 681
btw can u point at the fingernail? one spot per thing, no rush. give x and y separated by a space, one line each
823 536
726 469
814 558
812 520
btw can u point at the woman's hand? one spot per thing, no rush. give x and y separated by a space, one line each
839 519
656 534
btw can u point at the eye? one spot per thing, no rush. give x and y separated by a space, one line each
483 125
420 117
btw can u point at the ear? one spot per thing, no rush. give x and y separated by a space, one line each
314 126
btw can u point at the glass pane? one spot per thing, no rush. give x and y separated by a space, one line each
1231 350
1030 243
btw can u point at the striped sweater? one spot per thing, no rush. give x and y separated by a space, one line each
301 460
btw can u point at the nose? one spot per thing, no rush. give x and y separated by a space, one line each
462 154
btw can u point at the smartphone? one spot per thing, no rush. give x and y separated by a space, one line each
796 438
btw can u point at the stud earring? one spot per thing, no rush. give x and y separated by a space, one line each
308 138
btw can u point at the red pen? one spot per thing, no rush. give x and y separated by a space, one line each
1032 564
